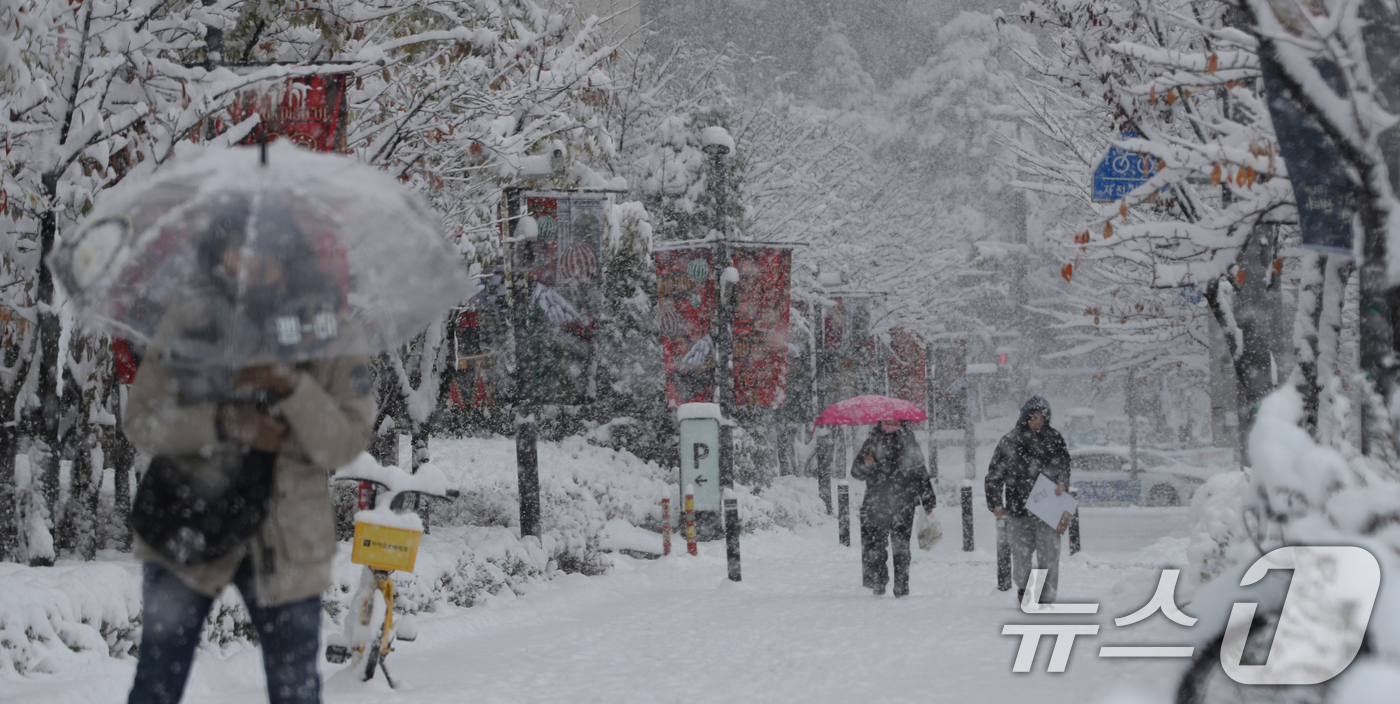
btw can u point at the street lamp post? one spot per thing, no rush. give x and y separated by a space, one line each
718 144
526 449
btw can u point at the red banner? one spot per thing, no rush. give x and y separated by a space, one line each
760 326
308 110
686 306
564 296
848 350
907 369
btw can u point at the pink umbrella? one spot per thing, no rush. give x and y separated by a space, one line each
867 410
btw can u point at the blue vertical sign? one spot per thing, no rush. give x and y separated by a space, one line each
1121 171
1323 186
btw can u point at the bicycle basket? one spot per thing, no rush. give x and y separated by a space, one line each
384 547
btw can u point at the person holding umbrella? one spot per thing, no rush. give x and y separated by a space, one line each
260 294
1031 448
896 483
291 424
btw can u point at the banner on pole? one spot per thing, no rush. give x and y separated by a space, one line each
907 369
848 347
760 326
564 296
686 306
478 336
949 386
308 111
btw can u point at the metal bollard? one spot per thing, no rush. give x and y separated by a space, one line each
967 515
1003 556
690 520
843 512
1074 525
731 532
665 526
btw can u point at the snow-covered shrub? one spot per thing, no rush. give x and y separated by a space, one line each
68 613
1215 525
582 487
787 502
755 464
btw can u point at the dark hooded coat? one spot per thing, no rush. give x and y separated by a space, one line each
1021 456
898 480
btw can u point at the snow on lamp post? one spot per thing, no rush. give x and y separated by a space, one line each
718 144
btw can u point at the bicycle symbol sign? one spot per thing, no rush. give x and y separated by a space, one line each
1121 171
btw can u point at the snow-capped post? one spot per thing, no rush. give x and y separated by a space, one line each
690 520
1003 556
731 532
665 526
717 143
843 512
1074 524
970 469
526 451
967 514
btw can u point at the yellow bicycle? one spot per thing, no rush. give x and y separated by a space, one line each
386 539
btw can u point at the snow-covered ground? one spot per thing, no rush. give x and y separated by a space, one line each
798 629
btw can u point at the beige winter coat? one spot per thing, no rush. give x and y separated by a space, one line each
329 414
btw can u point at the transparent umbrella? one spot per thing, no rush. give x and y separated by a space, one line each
294 255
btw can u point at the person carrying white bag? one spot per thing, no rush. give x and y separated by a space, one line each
896 482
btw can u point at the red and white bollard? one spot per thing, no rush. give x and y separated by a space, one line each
366 495
690 520
665 526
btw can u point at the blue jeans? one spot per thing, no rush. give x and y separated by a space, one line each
174 614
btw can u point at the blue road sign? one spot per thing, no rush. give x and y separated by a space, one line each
1121 171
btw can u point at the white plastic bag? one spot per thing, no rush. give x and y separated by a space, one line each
929 530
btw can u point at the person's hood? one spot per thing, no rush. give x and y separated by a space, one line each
1035 403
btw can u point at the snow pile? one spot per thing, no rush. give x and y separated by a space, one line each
789 502
57 617
1215 526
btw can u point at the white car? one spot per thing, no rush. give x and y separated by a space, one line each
1103 475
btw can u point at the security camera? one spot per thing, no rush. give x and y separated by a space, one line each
552 163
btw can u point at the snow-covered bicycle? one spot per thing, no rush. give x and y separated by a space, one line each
386 540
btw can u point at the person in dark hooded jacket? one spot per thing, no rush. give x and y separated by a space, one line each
896 481
1031 448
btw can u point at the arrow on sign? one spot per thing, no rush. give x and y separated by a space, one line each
701 480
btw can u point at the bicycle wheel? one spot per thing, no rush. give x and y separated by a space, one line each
371 661
373 651
1205 682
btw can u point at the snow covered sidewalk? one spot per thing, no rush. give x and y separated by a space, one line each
798 629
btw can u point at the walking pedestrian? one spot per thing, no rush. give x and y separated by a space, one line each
1031 449
896 482
273 431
